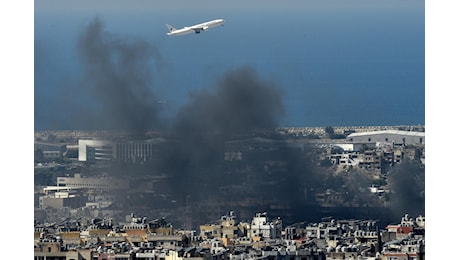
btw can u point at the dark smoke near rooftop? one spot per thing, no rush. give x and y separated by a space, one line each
117 71
407 183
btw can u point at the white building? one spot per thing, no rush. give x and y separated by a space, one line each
126 151
260 226
396 137
95 150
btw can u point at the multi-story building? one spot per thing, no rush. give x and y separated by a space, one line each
101 183
50 146
95 150
120 151
55 250
329 239
227 228
60 199
263 228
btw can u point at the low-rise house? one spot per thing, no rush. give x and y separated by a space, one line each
404 249
55 250
328 239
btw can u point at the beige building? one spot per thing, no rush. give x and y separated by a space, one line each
79 181
52 250
62 199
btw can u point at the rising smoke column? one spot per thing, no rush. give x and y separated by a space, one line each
235 108
118 72
407 185
239 103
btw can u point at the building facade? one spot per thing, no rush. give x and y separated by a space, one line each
395 137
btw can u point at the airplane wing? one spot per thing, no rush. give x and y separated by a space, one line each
198 29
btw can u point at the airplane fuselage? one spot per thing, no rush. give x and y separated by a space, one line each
195 28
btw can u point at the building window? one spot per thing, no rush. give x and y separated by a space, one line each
421 140
369 139
386 139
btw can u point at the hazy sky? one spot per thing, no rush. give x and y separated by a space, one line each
338 62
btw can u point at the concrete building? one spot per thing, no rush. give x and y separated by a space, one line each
79 181
62 199
405 249
49 155
408 227
348 159
139 151
49 147
263 228
396 137
329 239
73 192
226 229
54 250
95 150
123 151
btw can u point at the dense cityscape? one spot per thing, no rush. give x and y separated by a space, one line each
284 193
201 146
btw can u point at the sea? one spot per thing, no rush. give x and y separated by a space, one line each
336 65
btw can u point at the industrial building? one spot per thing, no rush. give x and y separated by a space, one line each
395 137
121 151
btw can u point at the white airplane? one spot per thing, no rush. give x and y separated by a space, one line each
194 28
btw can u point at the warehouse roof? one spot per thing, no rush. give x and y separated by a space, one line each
392 132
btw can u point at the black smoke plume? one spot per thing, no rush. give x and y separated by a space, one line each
240 108
239 104
118 72
407 185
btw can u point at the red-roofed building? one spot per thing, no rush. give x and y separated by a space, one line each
398 231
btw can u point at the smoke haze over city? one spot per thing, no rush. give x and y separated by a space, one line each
205 92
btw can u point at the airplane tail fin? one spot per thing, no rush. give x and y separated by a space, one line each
170 28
